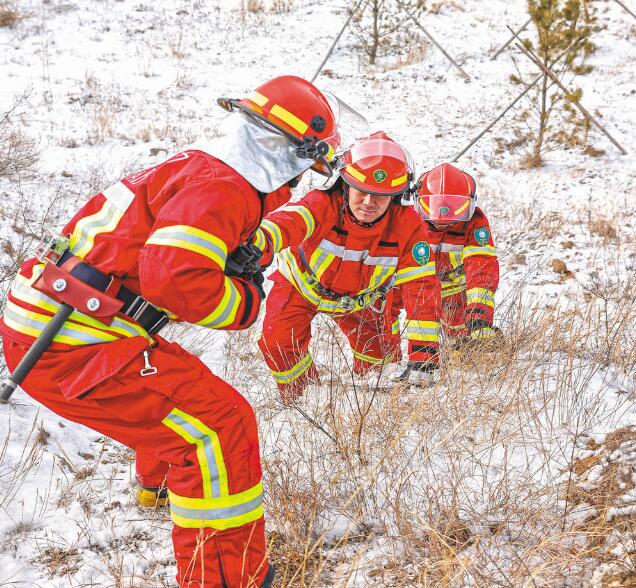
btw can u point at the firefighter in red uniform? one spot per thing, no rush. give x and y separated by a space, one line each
467 265
339 252
156 246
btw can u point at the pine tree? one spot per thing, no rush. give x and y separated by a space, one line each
564 29
386 26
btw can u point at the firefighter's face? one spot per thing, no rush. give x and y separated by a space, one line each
367 207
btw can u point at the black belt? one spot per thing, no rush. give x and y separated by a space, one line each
135 306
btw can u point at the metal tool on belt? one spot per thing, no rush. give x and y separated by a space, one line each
94 289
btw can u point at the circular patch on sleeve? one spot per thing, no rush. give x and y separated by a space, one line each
421 252
482 235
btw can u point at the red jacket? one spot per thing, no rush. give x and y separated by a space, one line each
165 232
317 241
467 260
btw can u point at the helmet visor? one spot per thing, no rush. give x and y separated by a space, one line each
350 124
387 167
444 208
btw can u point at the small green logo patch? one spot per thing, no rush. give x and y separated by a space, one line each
444 210
482 235
422 252
379 175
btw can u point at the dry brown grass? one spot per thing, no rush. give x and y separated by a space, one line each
9 15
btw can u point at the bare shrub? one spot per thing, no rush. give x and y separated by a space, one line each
8 14
18 152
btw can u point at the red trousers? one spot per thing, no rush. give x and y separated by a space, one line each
183 417
287 333
454 314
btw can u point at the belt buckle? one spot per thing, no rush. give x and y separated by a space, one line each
135 313
346 303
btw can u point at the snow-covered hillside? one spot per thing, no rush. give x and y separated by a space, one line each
516 469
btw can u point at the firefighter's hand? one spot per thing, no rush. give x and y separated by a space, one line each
418 373
243 261
258 279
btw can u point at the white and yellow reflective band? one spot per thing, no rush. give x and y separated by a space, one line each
32 323
275 234
373 360
291 119
422 330
225 312
22 289
485 250
191 239
320 260
408 274
353 172
480 296
395 327
306 215
449 291
456 258
228 512
380 275
259 239
399 181
208 449
105 220
288 376
288 267
258 99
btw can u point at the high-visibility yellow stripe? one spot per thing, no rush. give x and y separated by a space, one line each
485 250
297 370
306 215
191 239
395 326
208 450
218 524
370 359
259 239
422 330
452 290
258 98
225 312
480 296
275 233
399 181
32 323
105 220
320 261
292 120
408 274
352 171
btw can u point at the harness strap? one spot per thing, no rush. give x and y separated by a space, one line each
345 301
135 306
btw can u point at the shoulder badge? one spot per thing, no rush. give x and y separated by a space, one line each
482 235
421 252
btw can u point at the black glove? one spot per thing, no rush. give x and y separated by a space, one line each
243 261
258 279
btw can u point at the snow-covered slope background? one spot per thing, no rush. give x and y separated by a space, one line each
517 468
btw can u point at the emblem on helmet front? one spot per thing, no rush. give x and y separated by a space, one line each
379 175
444 210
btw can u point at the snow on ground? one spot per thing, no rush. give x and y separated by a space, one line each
113 86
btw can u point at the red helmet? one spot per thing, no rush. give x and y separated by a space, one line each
445 195
296 108
377 165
